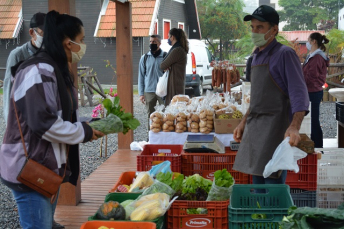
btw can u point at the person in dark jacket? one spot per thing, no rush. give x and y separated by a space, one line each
44 104
315 70
21 53
175 62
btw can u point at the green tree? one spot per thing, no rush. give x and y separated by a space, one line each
336 43
222 19
310 14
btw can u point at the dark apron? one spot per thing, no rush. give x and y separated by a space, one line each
266 124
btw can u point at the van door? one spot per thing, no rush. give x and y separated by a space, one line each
207 69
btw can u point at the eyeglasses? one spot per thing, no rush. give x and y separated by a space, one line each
39 33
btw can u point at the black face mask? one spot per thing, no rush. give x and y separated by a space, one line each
153 47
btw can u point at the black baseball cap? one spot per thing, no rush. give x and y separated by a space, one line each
264 13
37 20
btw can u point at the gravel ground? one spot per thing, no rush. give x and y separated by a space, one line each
90 158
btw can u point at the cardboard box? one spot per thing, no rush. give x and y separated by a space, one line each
225 126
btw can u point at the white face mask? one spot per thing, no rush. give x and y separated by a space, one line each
258 39
77 56
39 40
308 45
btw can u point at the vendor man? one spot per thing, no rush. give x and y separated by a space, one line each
278 103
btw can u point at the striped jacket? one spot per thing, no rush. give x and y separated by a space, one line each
46 134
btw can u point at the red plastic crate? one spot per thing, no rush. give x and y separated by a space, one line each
149 156
118 224
125 178
306 178
216 217
205 164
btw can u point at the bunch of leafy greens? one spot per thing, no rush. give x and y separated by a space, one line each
110 124
129 122
309 218
223 178
175 184
191 183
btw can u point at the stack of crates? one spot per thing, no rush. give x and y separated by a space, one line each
303 185
330 191
258 206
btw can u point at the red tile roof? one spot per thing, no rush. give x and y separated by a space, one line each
301 35
142 13
10 18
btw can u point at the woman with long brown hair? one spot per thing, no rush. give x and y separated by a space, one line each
175 62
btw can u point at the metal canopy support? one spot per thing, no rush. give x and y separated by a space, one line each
124 64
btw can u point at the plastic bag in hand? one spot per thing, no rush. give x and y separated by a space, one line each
284 158
161 87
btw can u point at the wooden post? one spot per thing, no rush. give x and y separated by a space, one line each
124 65
69 194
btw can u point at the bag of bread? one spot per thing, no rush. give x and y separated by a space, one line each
168 120
180 98
181 125
193 122
206 115
156 119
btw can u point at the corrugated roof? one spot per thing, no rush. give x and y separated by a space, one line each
301 35
10 18
142 13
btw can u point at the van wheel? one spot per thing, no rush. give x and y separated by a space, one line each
198 91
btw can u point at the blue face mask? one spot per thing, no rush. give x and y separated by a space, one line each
169 41
308 45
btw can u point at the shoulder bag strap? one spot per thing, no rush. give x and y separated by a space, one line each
22 138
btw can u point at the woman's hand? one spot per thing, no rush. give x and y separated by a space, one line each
96 134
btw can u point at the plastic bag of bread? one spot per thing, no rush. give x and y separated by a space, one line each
156 119
181 125
180 98
193 122
206 124
168 120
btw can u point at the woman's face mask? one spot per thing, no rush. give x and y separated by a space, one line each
39 40
308 45
258 39
77 56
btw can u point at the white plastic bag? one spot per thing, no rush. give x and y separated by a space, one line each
161 87
284 158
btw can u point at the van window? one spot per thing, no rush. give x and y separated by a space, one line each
209 54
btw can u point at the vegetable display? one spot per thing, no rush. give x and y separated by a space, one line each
175 184
194 187
111 210
223 178
309 218
221 188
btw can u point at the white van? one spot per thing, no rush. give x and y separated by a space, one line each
198 69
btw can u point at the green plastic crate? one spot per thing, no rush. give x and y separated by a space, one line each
246 203
160 222
121 196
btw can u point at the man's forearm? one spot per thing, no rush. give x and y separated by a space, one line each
297 119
